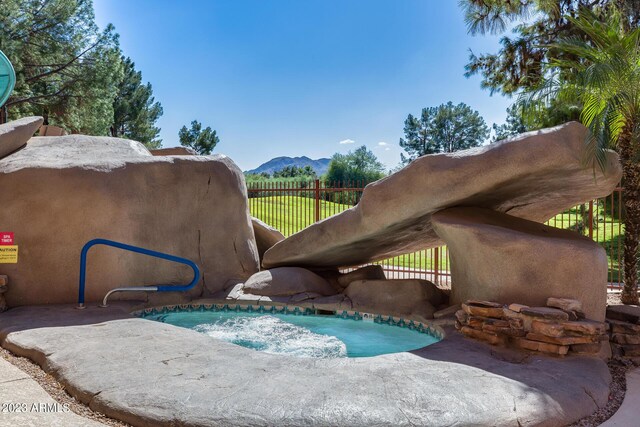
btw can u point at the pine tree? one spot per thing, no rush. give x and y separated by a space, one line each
202 141
66 68
442 129
135 111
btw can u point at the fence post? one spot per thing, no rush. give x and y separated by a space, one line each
436 264
591 219
317 200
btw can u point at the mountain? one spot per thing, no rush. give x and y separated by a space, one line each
320 166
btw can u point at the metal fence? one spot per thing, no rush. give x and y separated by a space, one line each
291 206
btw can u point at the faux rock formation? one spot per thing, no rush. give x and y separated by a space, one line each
533 176
266 235
341 280
60 192
369 272
445 312
498 257
3 288
287 281
174 151
15 134
235 294
401 297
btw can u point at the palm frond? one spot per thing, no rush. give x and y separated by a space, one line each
594 154
600 66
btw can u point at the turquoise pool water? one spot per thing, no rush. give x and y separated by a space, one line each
303 336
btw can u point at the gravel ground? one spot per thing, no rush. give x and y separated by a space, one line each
56 390
613 298
618 368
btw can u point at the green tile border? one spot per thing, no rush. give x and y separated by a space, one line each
294 310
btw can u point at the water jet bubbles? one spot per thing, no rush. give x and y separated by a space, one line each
272 335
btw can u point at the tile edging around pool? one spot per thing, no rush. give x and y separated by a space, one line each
416 325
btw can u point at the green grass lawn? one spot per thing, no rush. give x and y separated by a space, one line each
608 231
290 214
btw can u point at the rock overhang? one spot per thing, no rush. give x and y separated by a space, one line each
532 176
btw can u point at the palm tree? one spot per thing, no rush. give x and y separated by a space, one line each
602 71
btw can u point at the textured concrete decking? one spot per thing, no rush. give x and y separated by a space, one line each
149 373
25 403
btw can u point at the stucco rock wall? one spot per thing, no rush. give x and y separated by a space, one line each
498 257
60 192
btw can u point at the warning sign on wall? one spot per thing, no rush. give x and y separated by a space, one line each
8 254
6 238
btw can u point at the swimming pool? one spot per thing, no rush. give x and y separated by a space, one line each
316 336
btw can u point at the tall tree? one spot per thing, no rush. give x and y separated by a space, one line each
66 68
604 65
514 125
359 165
306 172
135 111
442 129
202 141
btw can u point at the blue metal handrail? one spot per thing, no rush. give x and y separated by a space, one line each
136 249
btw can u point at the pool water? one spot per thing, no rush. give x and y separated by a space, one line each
303 336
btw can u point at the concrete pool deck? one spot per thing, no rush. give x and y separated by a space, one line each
150 373
627 414
25 403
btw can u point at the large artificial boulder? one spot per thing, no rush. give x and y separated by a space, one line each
498 257
341 280
287 281
532 176
174 151
60 192
368 272
400 297
15 134
266 235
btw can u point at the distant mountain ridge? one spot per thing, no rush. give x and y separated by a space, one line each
320 165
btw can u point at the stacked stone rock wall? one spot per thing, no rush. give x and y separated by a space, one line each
624 331
625 338
559 328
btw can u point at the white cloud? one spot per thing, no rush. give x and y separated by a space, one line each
382 144
387 149
347 141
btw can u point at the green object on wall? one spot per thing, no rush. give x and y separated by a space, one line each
7 78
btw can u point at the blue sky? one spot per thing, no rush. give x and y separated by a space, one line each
293 78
